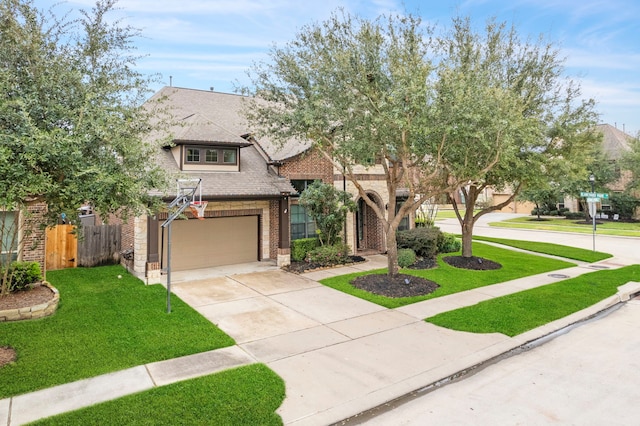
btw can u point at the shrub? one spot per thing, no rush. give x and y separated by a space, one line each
300 248
22 274
406 257
329 255
574 215
624 205
423 241
449 244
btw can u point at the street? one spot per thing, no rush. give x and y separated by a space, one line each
588 376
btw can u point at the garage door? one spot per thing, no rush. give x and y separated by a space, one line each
213 242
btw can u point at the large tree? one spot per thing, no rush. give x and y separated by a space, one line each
546 130
631 162
71 126
363 92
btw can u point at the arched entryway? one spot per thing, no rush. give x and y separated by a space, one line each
369 231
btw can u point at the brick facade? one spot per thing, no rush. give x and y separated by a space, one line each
308 166
33 235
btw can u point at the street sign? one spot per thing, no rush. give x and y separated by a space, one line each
595 194
593 200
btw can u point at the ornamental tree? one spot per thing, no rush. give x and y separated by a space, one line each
327 206
503 88
362 92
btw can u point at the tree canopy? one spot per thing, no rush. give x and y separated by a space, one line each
542 127
373 94
71 126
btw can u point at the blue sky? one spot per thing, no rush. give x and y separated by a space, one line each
211 43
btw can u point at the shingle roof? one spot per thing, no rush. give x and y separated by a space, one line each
210 117
224 110
614 142
197 128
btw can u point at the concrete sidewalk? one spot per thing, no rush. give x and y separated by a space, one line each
338 355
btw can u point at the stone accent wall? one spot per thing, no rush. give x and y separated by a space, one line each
140 246
33 235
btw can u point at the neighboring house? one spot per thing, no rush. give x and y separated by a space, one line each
615 143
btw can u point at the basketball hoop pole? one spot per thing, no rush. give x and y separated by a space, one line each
182 201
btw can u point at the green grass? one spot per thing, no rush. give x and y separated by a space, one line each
569 225
454 280
519 312
103 324
552 249
246 395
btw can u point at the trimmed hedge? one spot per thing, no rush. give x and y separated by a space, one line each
329 255
406 257
425 242
449 244
300 248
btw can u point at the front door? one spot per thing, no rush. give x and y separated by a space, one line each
369 233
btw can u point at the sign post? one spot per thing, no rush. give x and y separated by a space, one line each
593 198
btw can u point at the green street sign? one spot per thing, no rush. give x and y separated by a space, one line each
595 194
593 200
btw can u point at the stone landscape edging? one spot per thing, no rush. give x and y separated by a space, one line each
32 312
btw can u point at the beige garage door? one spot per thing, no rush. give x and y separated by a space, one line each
213 242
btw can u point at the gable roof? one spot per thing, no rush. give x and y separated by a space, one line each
224 110
198 128
614 142
209 118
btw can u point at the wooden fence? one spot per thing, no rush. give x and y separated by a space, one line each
99 245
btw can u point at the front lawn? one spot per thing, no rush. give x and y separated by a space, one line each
570 225
567 252
453 280
247 395
519 312
103 324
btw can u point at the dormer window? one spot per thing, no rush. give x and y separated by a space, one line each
201 155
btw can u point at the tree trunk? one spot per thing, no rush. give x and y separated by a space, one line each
467 235
392 252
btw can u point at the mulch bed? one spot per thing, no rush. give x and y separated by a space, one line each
402 285
301 267
473 262
37 295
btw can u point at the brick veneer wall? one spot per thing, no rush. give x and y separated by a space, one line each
274 231
33 242
308 165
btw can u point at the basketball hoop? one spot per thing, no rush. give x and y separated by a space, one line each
198 208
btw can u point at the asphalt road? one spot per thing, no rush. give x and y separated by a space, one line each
588 376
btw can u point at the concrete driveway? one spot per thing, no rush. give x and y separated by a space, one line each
340 355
